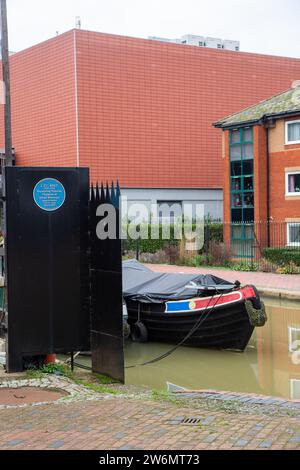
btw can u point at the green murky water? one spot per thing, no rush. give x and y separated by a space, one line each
268 366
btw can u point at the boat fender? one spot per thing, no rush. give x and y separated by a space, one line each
257 316
126 329
139 333
256 300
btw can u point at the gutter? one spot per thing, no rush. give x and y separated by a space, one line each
268 186
256 122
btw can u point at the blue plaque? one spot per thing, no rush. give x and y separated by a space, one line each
49 194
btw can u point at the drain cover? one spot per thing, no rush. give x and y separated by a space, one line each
192 421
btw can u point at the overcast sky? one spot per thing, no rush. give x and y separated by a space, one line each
264 26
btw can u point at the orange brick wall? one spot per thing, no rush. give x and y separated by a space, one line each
43 104
145 107
282 208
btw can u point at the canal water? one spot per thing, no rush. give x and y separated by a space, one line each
270 365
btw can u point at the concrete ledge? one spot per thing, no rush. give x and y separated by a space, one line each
279 293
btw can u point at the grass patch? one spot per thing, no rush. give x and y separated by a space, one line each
164 396
52 369
95 382
104 379
65 371
99 388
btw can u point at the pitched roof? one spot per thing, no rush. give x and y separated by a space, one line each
287 102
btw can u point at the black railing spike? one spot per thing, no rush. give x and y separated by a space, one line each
118 189
107 195
97 193
113 194
118 193
102 195
92 193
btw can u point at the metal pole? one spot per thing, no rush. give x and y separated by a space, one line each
6 81
72 361
8 160
206 242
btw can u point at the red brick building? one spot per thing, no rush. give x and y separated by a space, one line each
137 110
261 165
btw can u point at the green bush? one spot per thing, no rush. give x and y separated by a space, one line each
282 256
245 266
215 233
150 245
192 262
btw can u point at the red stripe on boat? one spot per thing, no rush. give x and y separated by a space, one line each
248 292
216 301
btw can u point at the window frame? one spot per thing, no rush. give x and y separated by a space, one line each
243 242
292 329
290 142
292 388
288 242
287 174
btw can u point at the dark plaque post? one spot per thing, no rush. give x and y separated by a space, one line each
46 244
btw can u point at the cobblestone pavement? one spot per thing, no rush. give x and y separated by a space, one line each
282 282
74 392
127 423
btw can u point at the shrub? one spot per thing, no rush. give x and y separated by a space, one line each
290 268
219 254
149 245
191 261
245 266
266 266
282 256
215 232
160 257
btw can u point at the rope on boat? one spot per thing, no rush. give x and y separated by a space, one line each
197 325
191 332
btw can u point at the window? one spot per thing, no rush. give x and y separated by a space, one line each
293 233
292 132
292 183
294 339
295 389
242 191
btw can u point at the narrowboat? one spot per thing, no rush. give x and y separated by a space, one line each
190 309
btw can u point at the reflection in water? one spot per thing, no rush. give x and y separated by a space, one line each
266 367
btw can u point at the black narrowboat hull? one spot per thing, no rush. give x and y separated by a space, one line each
224 326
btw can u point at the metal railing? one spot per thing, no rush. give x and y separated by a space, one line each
267 246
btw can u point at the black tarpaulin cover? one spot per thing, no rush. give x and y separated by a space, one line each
140 283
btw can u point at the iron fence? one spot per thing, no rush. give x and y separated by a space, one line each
267 246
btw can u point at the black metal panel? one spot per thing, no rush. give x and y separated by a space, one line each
47 265
106 290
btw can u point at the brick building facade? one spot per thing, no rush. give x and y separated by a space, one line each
137 110
261 162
